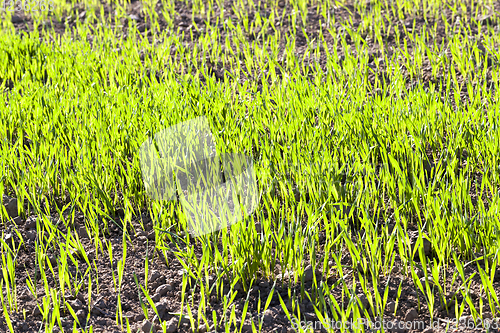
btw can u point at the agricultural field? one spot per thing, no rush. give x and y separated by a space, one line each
370 129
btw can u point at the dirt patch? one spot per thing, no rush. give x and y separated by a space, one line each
165 279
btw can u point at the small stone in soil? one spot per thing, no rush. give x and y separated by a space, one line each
8 239
154 275
76 305
17 221
36 311
162 307
202 328
308 274
428 280
82 232
427 246
419 273
364 301
31 235
268 316
30 222
390 307
16 19
10 206
163 289
171 326
81 316
139 317
411 315
53 260
147 326
100 303
247 328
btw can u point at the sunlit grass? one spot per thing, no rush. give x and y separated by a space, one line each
364 155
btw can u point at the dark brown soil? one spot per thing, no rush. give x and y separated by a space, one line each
103 306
